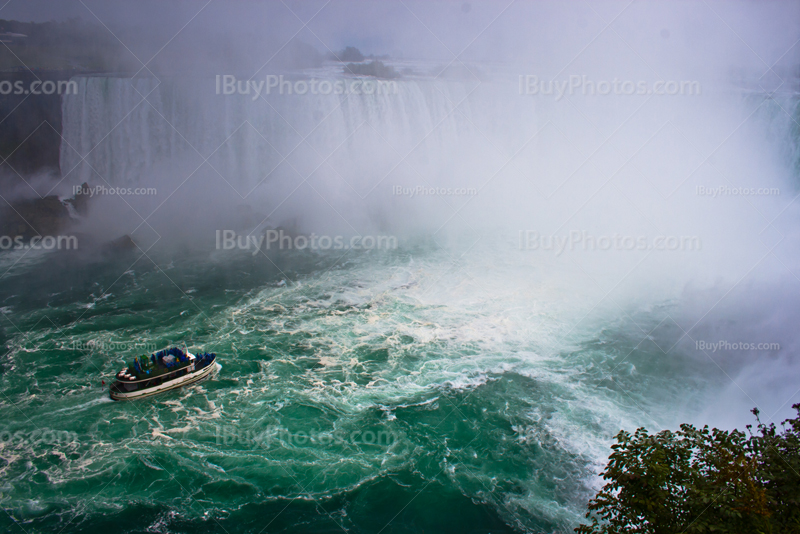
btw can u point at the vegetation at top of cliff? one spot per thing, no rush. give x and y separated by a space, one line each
701 480
350 53
373 68
70 45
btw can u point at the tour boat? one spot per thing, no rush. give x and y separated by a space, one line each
163 371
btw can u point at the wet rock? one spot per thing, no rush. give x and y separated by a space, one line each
374 68
120 245
81 199
36 217
42 216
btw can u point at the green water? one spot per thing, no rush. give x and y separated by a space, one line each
380 392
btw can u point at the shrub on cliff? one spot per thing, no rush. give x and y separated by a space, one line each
701 480
777 456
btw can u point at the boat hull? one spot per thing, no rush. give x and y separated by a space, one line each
193 378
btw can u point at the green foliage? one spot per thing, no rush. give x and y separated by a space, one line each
777 455
350 53
701 481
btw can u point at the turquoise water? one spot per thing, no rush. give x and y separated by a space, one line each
381 392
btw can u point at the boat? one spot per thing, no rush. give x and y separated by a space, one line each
163 371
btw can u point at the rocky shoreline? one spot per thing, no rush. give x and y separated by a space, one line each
51 216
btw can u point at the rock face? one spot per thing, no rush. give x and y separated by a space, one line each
37 217
41 216
81 200
50 216
373 68
30 138
120 245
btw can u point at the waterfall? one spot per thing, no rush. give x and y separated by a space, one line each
121 128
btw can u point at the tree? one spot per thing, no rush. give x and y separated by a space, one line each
693 481
777 455
351 53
